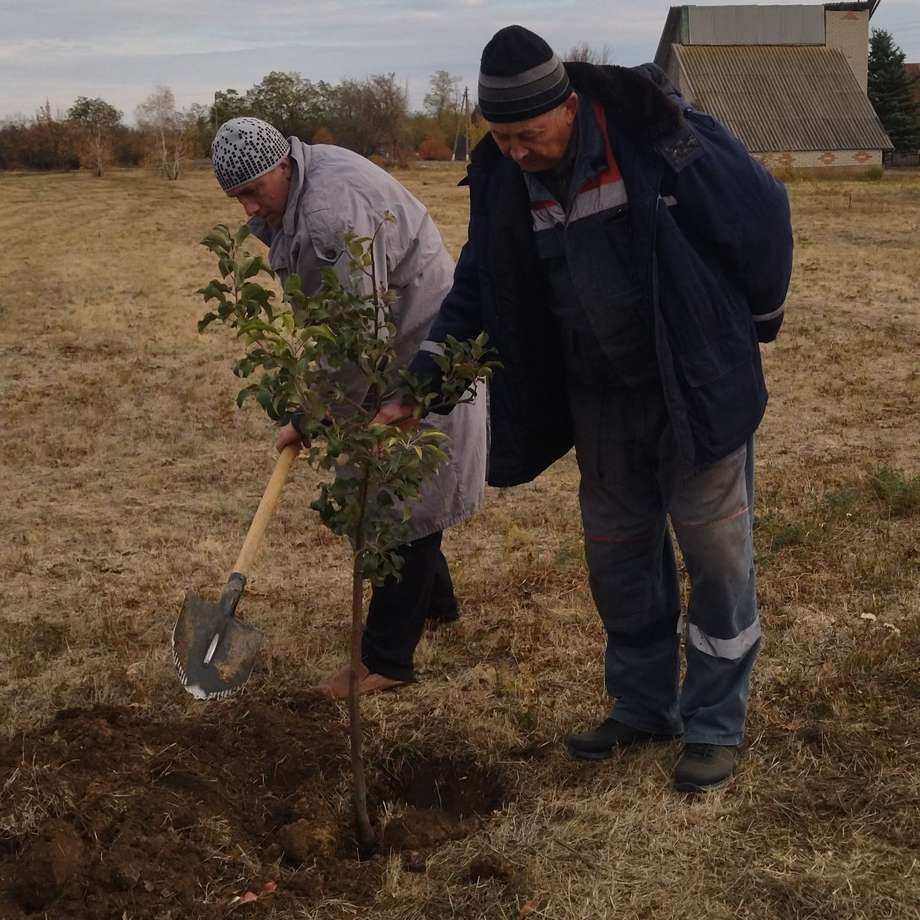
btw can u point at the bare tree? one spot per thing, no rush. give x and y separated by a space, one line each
586 54
393 109
168 129
441 101
96 120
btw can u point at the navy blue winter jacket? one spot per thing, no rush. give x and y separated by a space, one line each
713 244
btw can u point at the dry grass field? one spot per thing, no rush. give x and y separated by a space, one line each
129 476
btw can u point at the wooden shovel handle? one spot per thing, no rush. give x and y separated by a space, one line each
265 510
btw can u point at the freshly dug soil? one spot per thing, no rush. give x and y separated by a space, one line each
106 814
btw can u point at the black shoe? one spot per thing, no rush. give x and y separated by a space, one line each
703 767
598 743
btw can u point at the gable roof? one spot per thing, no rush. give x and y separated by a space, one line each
749 89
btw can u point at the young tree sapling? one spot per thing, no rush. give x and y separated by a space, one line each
297 348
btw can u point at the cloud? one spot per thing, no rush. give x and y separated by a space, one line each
121 49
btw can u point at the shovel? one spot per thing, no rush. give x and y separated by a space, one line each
213 650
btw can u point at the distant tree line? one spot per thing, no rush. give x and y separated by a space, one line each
370 116
92 134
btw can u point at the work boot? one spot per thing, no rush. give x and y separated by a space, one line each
599 743
336 685
703 767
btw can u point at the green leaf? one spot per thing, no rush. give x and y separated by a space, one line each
318 332
218 240
246 393
249 267
215 290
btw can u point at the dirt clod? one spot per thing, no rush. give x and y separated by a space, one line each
413 861
128 874
48 865
302 840
492 866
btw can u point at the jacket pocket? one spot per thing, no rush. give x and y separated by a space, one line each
712 362
724 395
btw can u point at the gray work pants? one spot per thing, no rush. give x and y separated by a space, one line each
632 480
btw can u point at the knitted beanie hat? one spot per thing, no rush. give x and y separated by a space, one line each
244 149
520 77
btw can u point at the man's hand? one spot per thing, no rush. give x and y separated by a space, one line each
397 413
288 435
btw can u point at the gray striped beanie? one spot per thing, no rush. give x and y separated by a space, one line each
520 77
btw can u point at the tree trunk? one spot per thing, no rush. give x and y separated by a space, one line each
176 156
366 839
164 154
99 164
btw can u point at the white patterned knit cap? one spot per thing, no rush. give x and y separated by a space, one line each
244 149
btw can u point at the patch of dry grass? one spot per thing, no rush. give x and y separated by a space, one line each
130 476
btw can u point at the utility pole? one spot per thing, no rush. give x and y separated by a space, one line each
469 123
464 117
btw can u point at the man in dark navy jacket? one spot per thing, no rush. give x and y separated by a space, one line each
626 256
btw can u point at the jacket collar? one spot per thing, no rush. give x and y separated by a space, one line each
301 156
300 161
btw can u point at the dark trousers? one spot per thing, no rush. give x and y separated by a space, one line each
398 609
632 480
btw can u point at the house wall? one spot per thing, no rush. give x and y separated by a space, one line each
678 76
827 163
849 32
673 70
782 24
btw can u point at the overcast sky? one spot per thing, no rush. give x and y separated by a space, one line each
121 49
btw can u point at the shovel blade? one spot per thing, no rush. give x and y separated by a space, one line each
232 656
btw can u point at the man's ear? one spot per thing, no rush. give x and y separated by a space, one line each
286 167
571 105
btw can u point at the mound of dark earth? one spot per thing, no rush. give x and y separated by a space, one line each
108 814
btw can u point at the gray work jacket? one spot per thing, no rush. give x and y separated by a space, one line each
334 190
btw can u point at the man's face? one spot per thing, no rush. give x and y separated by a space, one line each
537 144
266 197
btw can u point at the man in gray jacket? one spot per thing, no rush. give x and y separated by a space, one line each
300 199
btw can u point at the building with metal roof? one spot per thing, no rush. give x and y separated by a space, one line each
789 80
